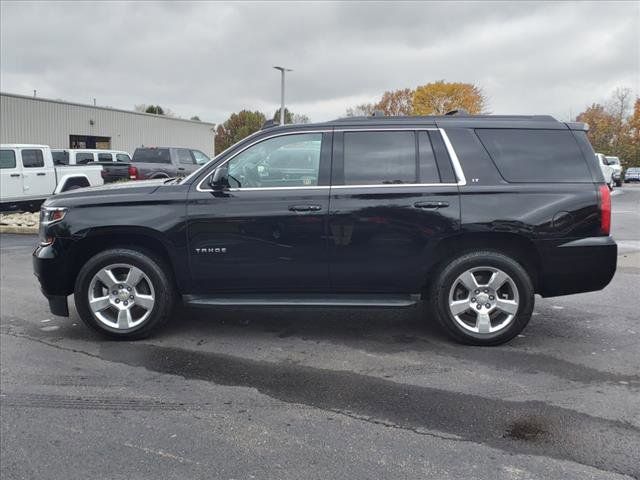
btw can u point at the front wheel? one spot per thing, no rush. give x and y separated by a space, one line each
482 298
124 294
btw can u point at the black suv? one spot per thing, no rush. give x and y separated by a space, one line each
472 214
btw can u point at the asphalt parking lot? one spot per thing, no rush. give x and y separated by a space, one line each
322 393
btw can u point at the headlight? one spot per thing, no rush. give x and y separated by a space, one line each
49 216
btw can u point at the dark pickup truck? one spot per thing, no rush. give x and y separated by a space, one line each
165 162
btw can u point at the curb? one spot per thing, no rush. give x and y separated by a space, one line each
20 230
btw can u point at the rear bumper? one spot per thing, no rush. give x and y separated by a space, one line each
578 266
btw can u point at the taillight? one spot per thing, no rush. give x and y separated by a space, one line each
605 209
133 172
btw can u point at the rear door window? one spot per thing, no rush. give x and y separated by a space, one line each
379 158
82 158
151 155
184 156
7 159
105 157
526 155
60 158
121 157
32 159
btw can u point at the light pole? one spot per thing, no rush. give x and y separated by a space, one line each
282 70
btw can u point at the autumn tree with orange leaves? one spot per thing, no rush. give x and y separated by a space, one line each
438 98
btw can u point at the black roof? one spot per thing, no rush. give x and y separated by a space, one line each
450 121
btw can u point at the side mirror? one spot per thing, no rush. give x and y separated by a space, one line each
219 179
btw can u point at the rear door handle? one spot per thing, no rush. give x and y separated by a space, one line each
41 174
431 205
180 168
305 208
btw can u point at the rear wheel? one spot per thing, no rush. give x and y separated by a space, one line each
124 293
482 298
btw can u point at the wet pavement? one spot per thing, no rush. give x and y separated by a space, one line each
323 393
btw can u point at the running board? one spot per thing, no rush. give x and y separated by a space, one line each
303 300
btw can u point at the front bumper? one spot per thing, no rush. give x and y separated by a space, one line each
53 268
578 266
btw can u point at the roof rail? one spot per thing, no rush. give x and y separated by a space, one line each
268 124
457 113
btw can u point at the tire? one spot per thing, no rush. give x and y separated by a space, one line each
483 320
138 283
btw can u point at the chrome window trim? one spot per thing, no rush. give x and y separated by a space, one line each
452 155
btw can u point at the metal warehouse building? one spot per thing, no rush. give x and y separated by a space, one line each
73 125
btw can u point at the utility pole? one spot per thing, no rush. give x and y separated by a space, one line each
282 70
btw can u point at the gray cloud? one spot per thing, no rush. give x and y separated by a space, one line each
211 59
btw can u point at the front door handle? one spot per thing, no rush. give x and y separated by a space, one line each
15 174
41 174
305 208
431 205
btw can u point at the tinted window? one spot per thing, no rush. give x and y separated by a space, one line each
200 157
7 159
32 159
373 158
535 155
151 155
286 161
105 157
60 158
428 167
184 156
83 158
121 157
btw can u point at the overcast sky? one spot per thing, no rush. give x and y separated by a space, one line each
211 59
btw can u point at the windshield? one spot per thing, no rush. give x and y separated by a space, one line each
613 160
151 155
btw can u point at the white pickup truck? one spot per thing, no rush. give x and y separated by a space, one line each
28 176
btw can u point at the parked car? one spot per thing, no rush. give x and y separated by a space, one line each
28 176
632 175
115 163
165 162
614 163
607 170
472 214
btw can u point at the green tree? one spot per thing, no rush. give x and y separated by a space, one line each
155 109
195 118
236 127
288 116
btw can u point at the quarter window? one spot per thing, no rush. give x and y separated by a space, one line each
105 157
121 157
378 158
32 159
83 158
200 157
535 155
7 159
285 161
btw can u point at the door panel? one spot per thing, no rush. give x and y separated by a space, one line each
384 222
10 175
268 233
37 179
380 239
259 240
